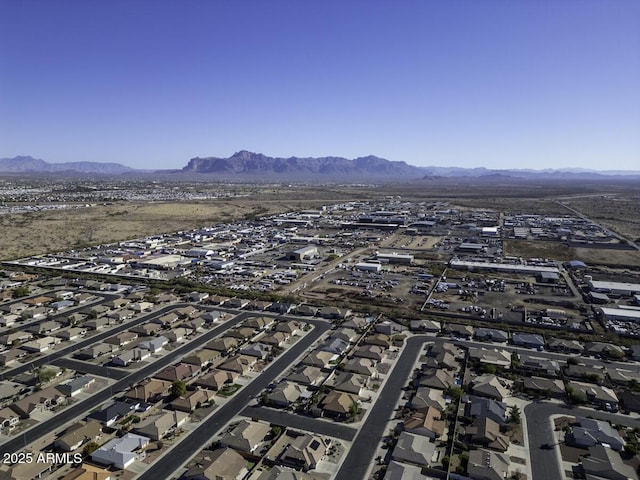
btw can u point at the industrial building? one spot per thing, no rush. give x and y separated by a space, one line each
617 288
395 258
303 253
621 314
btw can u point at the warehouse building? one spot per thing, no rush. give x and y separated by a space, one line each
303 253
395 258
617 288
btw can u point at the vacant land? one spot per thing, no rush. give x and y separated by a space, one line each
54 231
539 249
618 213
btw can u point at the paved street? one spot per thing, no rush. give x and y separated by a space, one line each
91 368
360 457
310 424
48 358
80 408
544 463
201 436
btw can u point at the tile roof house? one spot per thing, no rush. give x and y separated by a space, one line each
203 358
427 397
307 375
177 334
275 339
491 335
149 390
40 344
241 333
425 422
284 394
338 404
491 356
357 323
529 340
565 346
605 463
258 323
278 472
333 345
88 472
490 386
112 412
373 352
122 338
241 364
318 358
246 436
348 382
488 465
221 464
305 452
540 385
485 407
590 432
258 350
79 434
216 379
539 365
158 426
224 344
596 394
346 334
437 378
414 450
181 371
43 400
192 399
363 366
95 351
379 339
291 327
403 471
486 432
130 356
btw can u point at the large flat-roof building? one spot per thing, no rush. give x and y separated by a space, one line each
621 314
617 288
395 258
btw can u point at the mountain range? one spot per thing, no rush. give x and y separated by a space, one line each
249 166
26 164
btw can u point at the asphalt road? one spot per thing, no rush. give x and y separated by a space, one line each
293 420
42 429
360 456
201 436
91 368
544 462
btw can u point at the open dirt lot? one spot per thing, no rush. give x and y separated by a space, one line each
54 231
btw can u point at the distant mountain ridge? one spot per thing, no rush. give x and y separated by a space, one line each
249 166
244 163
27 164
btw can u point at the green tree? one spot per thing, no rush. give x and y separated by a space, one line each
455 393
89 448
515 414
446 461
178 388
21 291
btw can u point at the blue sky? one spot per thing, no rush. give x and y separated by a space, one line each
150 84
